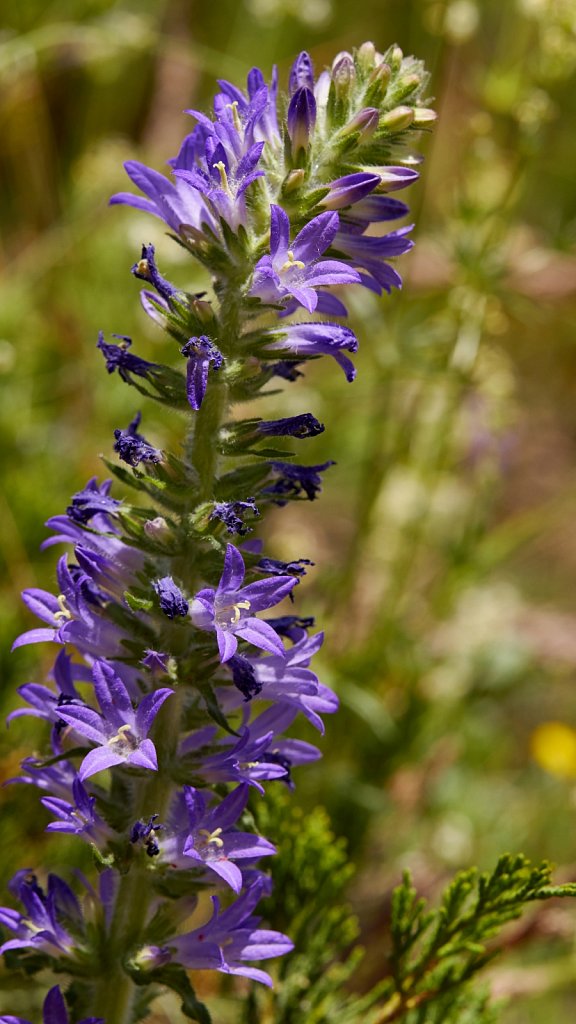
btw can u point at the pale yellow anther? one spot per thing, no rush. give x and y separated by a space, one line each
235 115
223 176
64 612
212 837
143 268
121 735
291 262
237 607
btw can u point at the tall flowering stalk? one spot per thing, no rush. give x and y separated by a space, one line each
177 680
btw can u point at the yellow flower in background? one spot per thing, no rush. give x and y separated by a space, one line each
553 746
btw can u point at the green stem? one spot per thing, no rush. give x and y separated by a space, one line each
115 993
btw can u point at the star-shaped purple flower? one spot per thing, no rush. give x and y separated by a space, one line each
120 730
296 270
203 836
226 941
229 609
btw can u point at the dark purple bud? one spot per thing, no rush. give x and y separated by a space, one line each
289 625
244 677
147 270
275 567
365 122
301 74
301 119
305 425
285 369
119 358
145 832
293 481
132 447
231 514
350 189
172 600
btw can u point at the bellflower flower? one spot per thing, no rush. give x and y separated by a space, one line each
227 941
203 836
316 339
39 928
229 609
120 731
296 269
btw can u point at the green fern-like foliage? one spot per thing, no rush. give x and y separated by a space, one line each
434 956
436 952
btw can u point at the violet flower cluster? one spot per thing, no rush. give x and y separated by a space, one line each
180 664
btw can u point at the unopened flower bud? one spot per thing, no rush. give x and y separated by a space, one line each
398 119
294 180
424 117
350 189
395 57
377 85
394 178
406 86
343 74
365 122
301 119
301 74
366 57
157 529
203 310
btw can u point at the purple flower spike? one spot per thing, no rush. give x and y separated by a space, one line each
54 1012
227 940
120 731
301 119
229 610
296 269
202 354
172 600
132 447
317 339
350 189
301 73
119 358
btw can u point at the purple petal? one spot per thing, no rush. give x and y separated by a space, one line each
234 570
316 237
98 760
227 644
279 233
261 635
145 756
149 707
268 592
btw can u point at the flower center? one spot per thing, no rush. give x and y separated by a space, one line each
64 614
124 738
223 176
230 614
233 107
292 262
208 839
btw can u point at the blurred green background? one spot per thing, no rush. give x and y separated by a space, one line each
444 540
